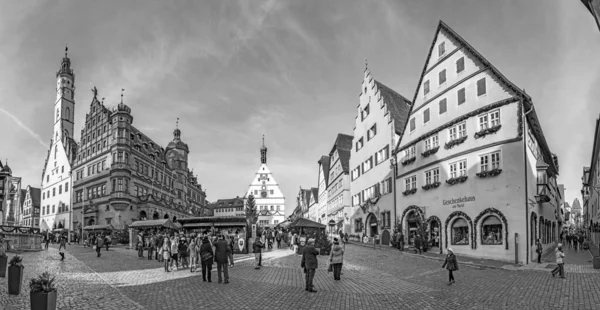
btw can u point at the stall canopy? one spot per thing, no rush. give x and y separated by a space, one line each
284 224
164 223
99 227
302 222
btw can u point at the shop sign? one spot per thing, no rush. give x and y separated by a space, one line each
458 202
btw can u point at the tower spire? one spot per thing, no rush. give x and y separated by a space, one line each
122 90
177 132
263 151
66 49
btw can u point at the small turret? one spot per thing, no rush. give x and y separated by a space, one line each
263 152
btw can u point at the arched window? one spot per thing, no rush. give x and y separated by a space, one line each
57 112
460 232
491 230
67 113
55 150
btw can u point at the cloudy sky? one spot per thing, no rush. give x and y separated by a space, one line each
234 70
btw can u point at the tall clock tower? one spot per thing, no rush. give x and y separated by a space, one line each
56 175
268 197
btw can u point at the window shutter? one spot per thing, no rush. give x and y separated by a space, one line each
461 96
443 106
481 87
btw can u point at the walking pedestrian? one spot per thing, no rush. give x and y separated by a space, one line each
451 265
166 249
192 254
231 244
157 247
310 264
107 241
61 249
222 251
174 252
151 247
418 242
560 269
206 255
336 258
182 249
538 250
278 239
47 242
99 243
257 249
580 239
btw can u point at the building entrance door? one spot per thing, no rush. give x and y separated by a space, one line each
373 225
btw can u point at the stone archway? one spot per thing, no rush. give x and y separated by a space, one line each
371 225
166 216
143 215
453 216
174 218
434 222
485 213
91 222
155 215
533 229
411 218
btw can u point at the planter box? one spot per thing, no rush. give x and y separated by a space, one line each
596 262
15 280
43 301
3 264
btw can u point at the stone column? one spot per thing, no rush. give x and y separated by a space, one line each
130 237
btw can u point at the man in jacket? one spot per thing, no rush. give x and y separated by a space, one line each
99 242
257 247
151 246
310 264
221 255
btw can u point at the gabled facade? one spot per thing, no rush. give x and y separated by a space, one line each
56 174
338 190
268 197
473 158
31 207
380 121
322 197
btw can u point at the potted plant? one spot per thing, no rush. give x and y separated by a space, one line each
43 292
15 275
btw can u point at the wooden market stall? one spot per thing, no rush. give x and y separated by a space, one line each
103 229
235 226
151 226
307 229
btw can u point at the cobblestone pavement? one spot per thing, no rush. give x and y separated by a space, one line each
78 286
371 279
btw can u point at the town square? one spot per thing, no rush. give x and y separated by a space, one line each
300 154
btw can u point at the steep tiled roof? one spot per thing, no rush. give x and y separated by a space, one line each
324 162
315 193
36 195
398 106
343 142
23 194
307 194
345 159
224 203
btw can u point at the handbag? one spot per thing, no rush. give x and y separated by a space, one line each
206 256
94 247
330 268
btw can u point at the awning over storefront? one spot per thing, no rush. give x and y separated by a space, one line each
164 223
192 225
99 227
491 220
460 223
231 224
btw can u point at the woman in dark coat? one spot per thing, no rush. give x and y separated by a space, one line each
451 265
206 256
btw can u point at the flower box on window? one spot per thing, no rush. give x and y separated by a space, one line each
409 191
430 151
408 161
456 180
455 142
487 131
490 173
430 186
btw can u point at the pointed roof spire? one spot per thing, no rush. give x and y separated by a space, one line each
66 49
263 151
65 66
177 132
122 90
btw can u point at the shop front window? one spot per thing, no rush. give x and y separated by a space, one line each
460 232
491 231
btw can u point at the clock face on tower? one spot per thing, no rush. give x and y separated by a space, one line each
263 194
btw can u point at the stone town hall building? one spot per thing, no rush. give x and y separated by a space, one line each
119 175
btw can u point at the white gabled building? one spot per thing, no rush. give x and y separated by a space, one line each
474 166
323 184
56 175
339 183
268 197
381 117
